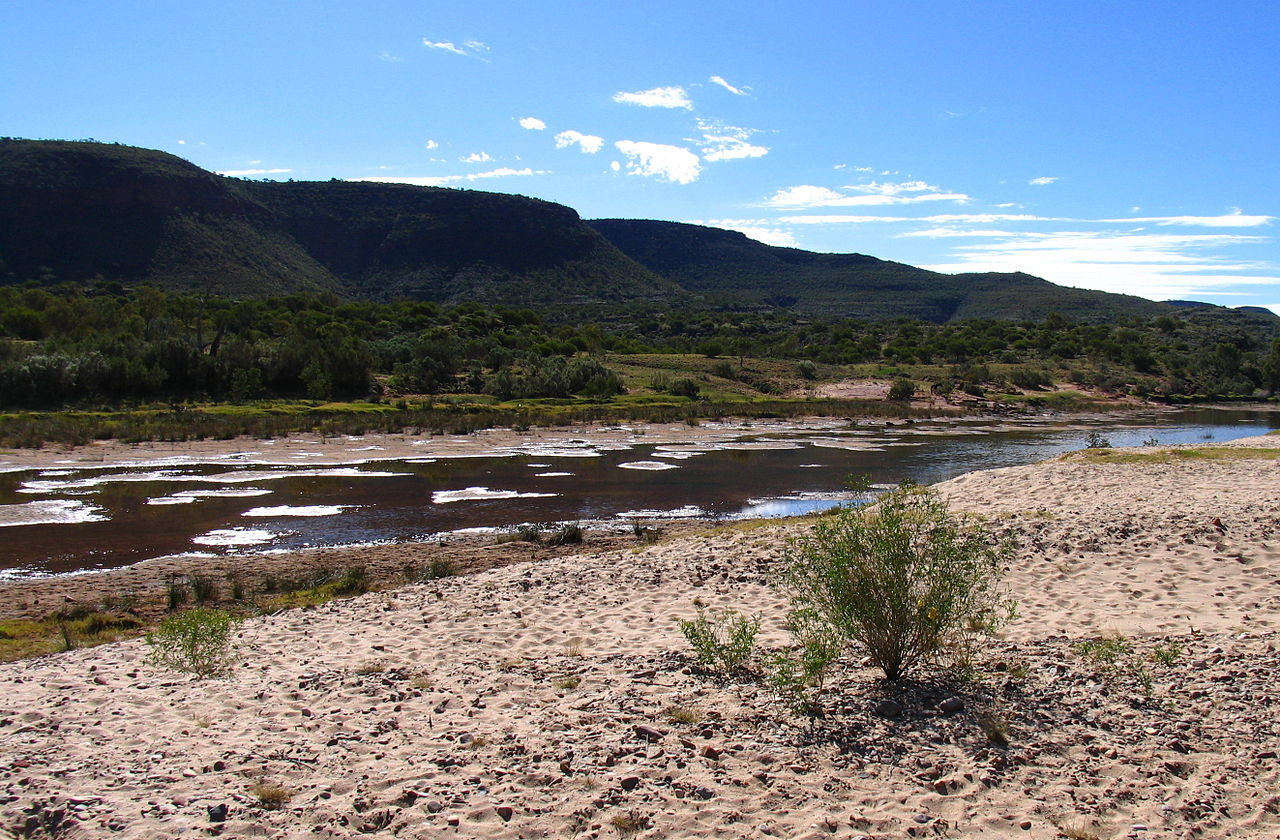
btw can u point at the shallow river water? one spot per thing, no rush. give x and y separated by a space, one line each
88 518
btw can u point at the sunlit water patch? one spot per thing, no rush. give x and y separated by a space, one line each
51 512
297 510
475 494
226 537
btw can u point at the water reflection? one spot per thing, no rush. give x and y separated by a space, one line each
225 507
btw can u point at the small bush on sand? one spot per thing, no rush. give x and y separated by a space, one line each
905 578
724 641
568 534
198 641
798 674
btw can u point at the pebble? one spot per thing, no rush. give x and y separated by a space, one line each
888 708
951 706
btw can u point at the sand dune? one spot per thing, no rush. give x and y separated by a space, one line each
557 699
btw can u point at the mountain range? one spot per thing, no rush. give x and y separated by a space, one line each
85 212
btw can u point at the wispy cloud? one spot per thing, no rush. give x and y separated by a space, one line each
667 163
940 219
476 157
889 188
1043 180
441 180
244 173
727 142
389 57
475 49
808 195
1233 219
532 123
736 91
661 97
1147 264
588 143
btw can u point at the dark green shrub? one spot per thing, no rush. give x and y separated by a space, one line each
905 578
902 390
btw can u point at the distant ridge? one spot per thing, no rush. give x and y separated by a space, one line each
86 212
79 210
713 261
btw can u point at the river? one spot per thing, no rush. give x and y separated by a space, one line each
84 518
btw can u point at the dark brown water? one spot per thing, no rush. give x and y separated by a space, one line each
112 517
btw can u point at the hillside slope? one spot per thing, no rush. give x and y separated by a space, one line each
78 211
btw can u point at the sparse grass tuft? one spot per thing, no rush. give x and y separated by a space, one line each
270 795
1078 831
568 682
684 714
568 534
630 824
1166 654
438 568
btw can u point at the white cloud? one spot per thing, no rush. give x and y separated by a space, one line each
1151 265
736 91
476 157
729 148
876 188
663 97
441 180
1043 180
727 142
588 143
532 123
945 218
808 195
430 144
952 233
241 173
1233 219
388 57
669 163
769 236
471 48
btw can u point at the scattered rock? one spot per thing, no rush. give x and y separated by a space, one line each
951 706
649 733
505 811
217 813
888 708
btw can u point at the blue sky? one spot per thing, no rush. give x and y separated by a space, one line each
1129 146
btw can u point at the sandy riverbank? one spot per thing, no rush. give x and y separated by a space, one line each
504 704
